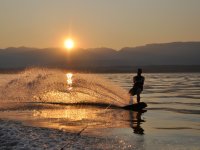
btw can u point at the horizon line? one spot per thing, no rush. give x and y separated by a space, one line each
31 47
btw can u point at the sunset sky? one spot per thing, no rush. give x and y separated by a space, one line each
97 23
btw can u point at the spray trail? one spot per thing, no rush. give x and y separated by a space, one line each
45 85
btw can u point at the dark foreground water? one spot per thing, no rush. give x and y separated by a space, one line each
41 111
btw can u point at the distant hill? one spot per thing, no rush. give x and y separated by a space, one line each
176 56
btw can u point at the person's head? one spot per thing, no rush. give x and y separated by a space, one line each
139 72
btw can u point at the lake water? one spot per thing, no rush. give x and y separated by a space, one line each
37 112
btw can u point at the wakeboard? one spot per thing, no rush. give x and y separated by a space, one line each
135 107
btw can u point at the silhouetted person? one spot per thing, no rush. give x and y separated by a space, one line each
138 82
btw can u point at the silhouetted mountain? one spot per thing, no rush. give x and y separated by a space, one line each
183 55
177 53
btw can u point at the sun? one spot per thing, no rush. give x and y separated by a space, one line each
69 43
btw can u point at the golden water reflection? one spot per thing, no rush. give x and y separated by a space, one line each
69 80
73 118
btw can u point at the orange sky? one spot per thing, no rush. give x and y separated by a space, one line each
103 23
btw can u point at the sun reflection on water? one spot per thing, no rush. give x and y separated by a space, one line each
69 80
72 114
75 118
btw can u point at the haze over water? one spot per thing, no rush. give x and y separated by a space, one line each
170 122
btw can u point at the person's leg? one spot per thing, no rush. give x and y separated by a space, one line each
132 92
138 95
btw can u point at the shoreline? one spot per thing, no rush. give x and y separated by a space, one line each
112 69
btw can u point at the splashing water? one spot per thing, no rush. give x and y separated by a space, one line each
45 85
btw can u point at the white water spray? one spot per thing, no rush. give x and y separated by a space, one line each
47 85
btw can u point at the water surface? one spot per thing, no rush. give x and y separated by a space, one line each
171 120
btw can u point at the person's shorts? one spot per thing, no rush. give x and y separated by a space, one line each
134 91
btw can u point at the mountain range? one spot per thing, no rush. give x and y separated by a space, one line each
175 56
